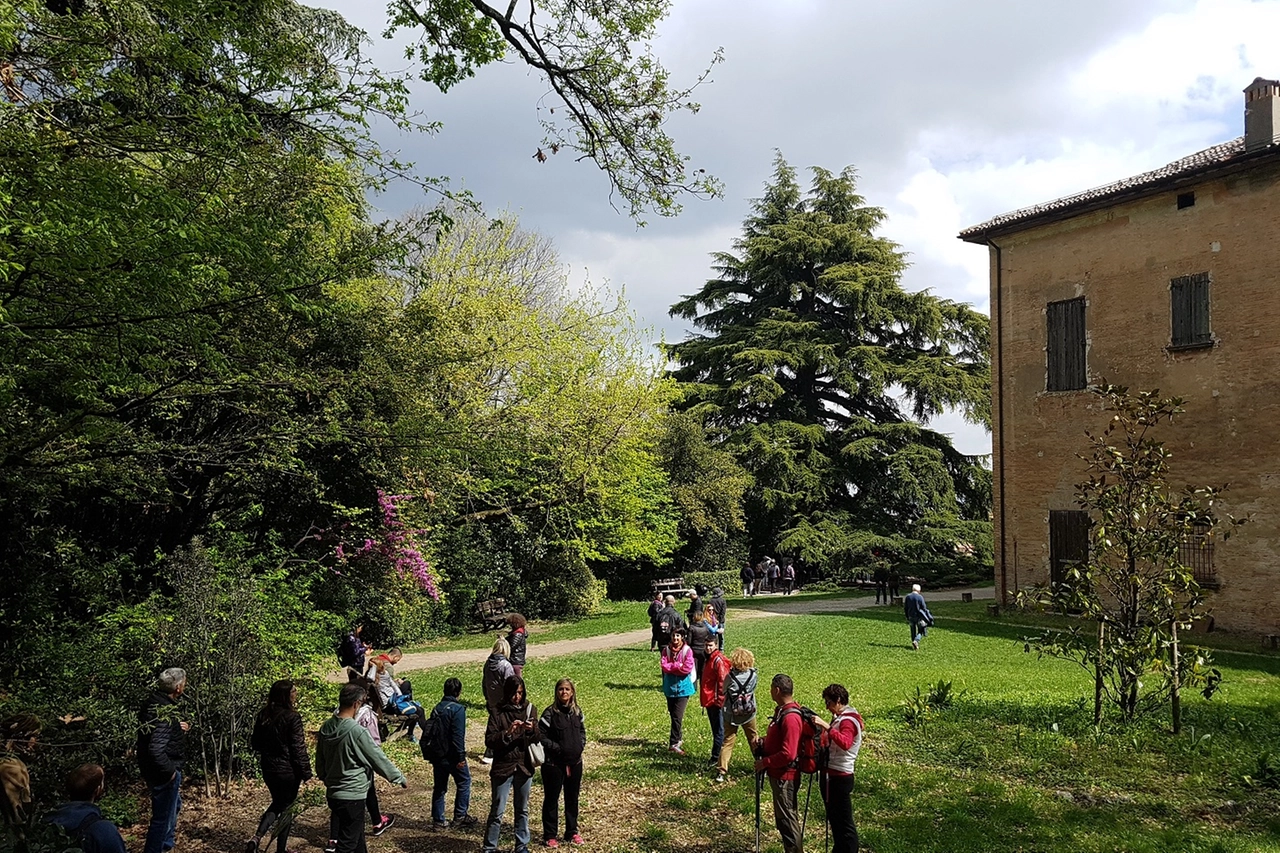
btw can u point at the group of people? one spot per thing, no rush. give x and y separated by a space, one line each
769 575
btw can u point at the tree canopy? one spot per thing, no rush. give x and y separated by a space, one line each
820 373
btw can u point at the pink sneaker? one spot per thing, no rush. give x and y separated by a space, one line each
577 838
552 843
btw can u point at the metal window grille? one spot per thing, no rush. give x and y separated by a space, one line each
1189 310
1196 553
1066 345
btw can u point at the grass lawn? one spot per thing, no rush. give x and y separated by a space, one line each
1012 765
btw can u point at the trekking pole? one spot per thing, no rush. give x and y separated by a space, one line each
759 784
805 819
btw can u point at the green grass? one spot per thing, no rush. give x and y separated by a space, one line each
1013 764
615 617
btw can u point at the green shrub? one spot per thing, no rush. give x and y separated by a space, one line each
726 579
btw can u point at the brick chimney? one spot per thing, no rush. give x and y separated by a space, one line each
1261 114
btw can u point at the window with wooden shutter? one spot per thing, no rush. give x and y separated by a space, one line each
1189 310
1065 347
1068 541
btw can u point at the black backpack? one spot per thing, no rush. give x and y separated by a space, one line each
744 701
435 740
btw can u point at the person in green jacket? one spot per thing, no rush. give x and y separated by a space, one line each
345 755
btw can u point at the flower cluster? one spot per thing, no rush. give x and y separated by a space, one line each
395 543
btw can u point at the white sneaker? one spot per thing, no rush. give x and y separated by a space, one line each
487 759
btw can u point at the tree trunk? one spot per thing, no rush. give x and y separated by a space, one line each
1175 693
1097 674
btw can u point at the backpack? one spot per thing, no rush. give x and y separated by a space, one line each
435 740
743 703
813 753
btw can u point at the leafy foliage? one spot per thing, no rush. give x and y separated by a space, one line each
819 372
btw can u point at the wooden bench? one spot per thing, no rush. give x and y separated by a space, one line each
671 586
492 613
395 726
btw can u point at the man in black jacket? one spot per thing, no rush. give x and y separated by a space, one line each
669 621
721 607
161 744
452 714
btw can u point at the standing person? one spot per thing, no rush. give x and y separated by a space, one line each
702 639
516 640
881 577
844 738
762 569
677 686
346 759
510 732
748 577
669 621
161 744
711 697
778 754
788 576
351 653
772 574
497 669
918 616
564 736
721 608
286 764
894 580
655 607
80 816
696 605
452 715
739 705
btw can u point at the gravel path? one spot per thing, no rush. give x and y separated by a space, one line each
778 605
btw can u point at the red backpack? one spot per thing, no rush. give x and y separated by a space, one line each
811 755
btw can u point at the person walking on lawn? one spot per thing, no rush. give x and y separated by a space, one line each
778 754
564 736
452 714
367 717
918 616
511 730
286 763
843 737
677 686
345 755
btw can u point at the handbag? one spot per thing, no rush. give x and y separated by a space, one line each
537 755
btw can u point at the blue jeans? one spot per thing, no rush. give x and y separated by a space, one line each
715 716
440 786
166 799
918 631
501 791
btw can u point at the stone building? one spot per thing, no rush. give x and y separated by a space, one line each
1169 280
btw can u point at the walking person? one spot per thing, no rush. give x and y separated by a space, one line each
367 717
516 640
161 744
711 697
843 737
452 715
778 754
286 763
564 736
345 757
511 730
748 577
677 686
739 706
919 619
497 669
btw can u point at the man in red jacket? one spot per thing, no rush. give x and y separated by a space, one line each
778 754
711 695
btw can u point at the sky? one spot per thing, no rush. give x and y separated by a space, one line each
951 113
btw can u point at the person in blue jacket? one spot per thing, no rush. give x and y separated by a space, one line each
918 616
453 715
81 817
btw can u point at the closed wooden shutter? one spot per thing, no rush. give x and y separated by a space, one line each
1068 541
1066 346
1189 310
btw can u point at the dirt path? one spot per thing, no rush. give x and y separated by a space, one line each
778 605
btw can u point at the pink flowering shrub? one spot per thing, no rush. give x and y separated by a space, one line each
395 544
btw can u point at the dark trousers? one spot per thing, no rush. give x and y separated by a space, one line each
882 591
554 780
348 818
370 804
837 794
675 708
715 716
284 791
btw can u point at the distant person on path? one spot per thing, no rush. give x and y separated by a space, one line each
669 621
345 757
711 697
772 574
80 816
918 616
788 576
655 607
497 669
843 737
881 578
677 686
748 577
739 705
510 732
762 569
564 736
516 639
721 608
778 754
452 714
286 763
894 580
161 744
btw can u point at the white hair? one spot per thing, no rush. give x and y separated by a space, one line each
171 679
915 587
502 647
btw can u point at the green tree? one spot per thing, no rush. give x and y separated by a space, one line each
820 373
1134 587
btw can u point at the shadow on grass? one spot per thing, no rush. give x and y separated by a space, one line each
612 685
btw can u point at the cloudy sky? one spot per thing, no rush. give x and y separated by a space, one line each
951 113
